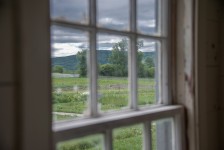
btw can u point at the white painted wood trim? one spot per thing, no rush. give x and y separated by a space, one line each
77 128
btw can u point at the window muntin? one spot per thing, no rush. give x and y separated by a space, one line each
107 123
162 132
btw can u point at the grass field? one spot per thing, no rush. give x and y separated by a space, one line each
71 94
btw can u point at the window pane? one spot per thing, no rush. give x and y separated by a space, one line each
147 21
128 138
112 59
148 66
113 14
162 137
69 72
94 142
70 10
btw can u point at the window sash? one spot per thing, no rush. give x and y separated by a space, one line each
66 130
99 123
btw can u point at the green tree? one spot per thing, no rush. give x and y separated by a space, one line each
82 64
119 58
152 72
57 69
140 65
149 62
107 70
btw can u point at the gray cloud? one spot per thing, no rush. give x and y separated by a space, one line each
68 35
111 14
72 10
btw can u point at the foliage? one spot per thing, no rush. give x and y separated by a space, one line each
103 56
149 62
57 69
119 58
66 97
82 64
141 71
107 70
70 63
152 72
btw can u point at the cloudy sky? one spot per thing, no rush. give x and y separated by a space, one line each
112 14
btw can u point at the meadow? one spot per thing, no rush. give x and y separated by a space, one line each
70 98
70 95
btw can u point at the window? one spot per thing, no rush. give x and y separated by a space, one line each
111 76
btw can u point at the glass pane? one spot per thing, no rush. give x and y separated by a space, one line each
94 142
113 14
148 78
69 72
162 137
112 59
147 21
70 10
130 138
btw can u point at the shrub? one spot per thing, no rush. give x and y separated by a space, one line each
68 97
57 69
152 72
107 70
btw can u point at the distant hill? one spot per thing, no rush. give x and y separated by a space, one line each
67 62
70 62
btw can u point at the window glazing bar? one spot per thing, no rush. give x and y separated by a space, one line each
133 59
93 63
147 136
108 140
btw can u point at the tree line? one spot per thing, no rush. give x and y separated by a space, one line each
117 62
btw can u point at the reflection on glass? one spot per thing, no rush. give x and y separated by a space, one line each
146 16
162 137
147 62
112 59
70 10
94 142
113 14
130 137
69 72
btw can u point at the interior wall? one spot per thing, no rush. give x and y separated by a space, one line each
208 63
208 46
7 80
25 105
221 81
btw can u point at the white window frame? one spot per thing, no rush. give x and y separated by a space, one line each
99 123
